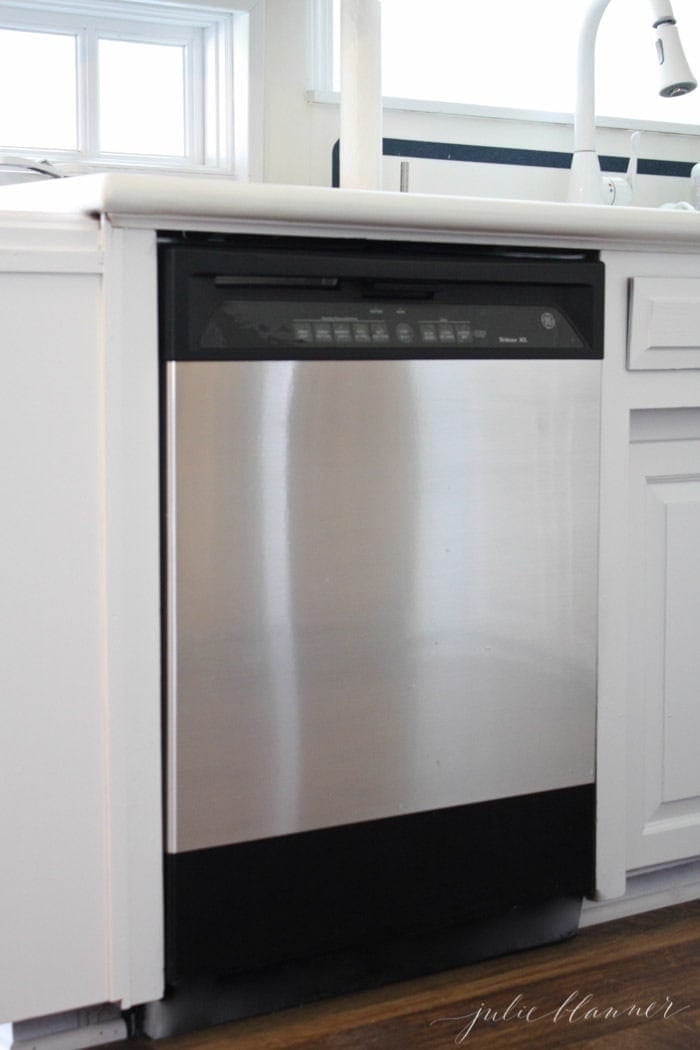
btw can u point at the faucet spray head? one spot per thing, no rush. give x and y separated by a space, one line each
676 76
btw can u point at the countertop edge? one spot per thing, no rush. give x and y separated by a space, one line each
198 202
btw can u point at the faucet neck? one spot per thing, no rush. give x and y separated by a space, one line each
584 114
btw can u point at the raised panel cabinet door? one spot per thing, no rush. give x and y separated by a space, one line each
664 698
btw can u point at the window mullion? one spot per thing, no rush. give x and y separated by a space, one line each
194 114
210 99
218 101
88 92
321 52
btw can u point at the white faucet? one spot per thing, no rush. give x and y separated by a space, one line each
586 184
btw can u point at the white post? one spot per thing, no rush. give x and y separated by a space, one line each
360 95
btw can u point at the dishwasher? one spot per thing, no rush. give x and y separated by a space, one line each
380 519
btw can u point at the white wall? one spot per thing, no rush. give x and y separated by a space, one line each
299 134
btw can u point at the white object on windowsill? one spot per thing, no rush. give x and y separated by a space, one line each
23 169
677 206
695 186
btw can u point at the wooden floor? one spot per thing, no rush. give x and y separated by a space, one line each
633 983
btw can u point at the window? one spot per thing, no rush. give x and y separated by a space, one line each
117 83
141 97
521 56
48 117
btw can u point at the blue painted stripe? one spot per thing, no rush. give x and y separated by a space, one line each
408 148
476 154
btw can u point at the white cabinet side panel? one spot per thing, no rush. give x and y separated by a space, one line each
133 594
612 605
53 871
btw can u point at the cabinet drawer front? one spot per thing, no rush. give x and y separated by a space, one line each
664 326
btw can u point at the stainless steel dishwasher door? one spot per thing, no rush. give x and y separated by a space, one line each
382 588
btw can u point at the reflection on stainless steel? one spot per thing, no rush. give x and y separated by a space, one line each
276 567
384 597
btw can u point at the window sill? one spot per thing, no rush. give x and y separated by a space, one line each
497 113
43 164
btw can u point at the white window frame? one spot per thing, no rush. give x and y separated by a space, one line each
320 81
223 42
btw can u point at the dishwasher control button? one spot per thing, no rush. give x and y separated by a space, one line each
303 332
360 332
464 333
404 332
342 333
428 332
446 333
323 332
380 332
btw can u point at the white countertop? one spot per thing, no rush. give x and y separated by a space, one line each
216 204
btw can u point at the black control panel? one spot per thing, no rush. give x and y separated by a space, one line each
428 328
246 297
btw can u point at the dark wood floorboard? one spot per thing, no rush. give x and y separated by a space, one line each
633 983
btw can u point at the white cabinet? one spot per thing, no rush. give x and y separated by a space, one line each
53 874
80 879
664 698
648 741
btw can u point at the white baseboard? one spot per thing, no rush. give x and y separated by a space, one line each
646 891
73 1030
